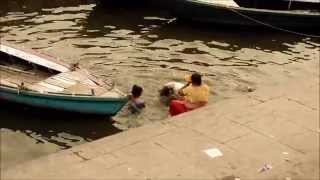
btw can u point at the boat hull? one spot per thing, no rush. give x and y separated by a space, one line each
204 12
279 4
77 104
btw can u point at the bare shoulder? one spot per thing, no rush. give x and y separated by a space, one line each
206 87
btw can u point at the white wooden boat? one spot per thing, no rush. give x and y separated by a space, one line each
35 79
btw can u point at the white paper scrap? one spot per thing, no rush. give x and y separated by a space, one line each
214 152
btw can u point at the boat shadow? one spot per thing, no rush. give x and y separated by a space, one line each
46 124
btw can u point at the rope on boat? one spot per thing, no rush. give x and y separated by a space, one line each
273 27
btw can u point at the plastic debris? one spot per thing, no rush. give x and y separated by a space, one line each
265 167
286 158
213 153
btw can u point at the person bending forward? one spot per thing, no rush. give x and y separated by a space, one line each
194 95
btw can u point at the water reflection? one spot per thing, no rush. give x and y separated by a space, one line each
27 6
64 129
28 133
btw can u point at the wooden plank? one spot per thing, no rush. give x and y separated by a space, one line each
38 59
66 81
98 91
110 94
50 86
16 70
18 82
41 89
221 2
80 75
57 83
8 83
79 89
75 76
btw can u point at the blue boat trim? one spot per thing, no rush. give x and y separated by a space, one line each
80 104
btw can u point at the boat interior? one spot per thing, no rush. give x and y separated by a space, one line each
21 74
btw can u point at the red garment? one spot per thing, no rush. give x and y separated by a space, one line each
177 107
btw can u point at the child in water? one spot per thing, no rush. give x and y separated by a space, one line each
136 104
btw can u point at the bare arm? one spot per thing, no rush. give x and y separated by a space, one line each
180 92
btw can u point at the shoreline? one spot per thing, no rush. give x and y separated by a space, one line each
269 125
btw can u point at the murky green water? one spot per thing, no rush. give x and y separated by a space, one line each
127 47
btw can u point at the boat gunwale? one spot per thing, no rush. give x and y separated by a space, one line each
70 97
255 10
36 53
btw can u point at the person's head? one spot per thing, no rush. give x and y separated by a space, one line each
166 91
196 79
136 91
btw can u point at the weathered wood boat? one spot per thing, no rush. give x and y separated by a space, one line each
229 13
280 4
39 80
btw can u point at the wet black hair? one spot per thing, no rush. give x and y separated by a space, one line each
196 79
166 91
136 91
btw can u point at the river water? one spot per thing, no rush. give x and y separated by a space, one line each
126 47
